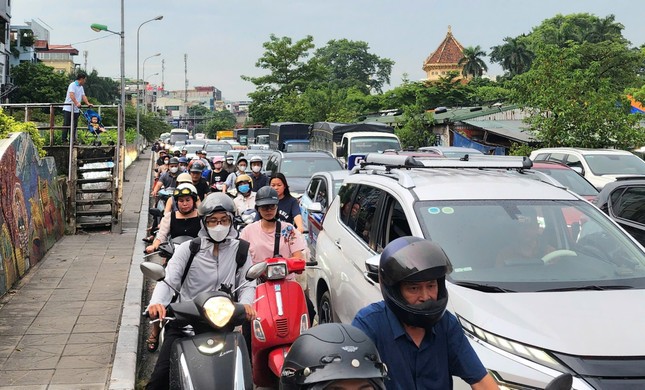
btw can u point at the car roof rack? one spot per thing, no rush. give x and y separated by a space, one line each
390 161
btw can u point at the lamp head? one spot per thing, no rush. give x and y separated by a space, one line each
98 27
159 17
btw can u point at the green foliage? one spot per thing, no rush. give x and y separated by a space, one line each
576 95
415 131
472 63
513 55
37 83
198 110
9 125
103 90
220 120
520 150
561 30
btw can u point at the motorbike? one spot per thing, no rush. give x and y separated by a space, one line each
213 355
167 249
281 317
247 218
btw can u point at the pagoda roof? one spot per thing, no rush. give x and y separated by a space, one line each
449 52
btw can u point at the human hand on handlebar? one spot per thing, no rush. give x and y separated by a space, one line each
150 248
157 311
250 312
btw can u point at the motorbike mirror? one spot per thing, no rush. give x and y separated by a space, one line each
315 207
562 382
256 271
371 265
153 271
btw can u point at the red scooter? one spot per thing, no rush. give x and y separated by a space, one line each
281 317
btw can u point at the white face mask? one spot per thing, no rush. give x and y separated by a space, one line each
174 170
256 168
219 232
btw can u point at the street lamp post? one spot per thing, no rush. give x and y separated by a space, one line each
121 128
139 28
144 68
145 92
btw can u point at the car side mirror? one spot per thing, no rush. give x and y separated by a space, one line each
315 207
340 151
579 170
371 265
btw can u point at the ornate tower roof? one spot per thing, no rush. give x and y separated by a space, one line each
449 52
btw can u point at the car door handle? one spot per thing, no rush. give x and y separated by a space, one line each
370 281
337 243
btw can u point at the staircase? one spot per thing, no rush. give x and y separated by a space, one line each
95 206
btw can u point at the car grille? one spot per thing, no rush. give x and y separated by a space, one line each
611 373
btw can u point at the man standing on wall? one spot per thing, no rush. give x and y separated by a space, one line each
75 94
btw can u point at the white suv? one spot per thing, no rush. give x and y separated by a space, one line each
543 281
599 166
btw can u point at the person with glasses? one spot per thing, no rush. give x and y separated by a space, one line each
213 264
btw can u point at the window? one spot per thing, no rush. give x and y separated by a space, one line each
346 195
271 164
395 224
363 211
541 157
559 157
311 190
574 161
321 195
629 204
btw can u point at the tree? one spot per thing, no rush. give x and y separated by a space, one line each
575 97
513 55
472 64
37 83
577 28
102 89
221 120
350 64
198 110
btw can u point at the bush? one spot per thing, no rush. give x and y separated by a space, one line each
9 125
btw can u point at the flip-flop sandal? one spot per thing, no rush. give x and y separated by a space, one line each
152 343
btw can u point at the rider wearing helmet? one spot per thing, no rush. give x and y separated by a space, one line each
412 321
218 176
213 265
229 163
183 164
242 164
168 179
259 179
196 169
333 356
245 199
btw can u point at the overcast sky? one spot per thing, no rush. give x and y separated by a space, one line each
223 39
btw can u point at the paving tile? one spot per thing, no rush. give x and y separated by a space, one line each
38 350
44 282
99 307
62 309
43 339
80 376
86 361
89 349
93 324
86 338
51 273
107 296
16 308
51 325
87 386
26 387
8 344
68 294
14 330
30 363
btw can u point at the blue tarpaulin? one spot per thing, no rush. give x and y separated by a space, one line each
460 140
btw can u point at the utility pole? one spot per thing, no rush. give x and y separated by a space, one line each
85 63
163 69
185 78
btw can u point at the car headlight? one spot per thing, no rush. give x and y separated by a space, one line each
277 271
218 311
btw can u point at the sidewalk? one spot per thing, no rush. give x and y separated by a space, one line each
63 327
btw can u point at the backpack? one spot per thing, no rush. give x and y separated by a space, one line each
195 246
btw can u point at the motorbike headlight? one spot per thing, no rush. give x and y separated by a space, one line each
277 271
218 311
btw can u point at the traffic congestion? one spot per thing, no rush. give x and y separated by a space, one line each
497 257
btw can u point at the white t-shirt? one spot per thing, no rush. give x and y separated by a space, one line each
78 91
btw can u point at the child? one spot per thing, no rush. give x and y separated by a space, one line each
98 128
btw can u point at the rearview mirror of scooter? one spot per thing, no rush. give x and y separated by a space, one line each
562 382
153 271
256 271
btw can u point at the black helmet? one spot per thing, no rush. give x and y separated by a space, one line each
239 160
331 352
174 160
216 202
197 167
414 259
265 196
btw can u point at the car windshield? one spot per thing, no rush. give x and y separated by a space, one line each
532 246
298 147
191 148
572 180
362 145
615 164
221 147
307 166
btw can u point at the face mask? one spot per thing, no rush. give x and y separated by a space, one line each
256 168
174 170
166 161
244 188
229 162
183 168
218 233
242 168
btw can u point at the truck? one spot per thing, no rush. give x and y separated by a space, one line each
351 142
222 135
286 131
255 132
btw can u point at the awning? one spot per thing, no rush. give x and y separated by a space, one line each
513 130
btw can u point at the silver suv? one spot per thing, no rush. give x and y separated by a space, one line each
543 281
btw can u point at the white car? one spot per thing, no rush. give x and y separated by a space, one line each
565 295
599 166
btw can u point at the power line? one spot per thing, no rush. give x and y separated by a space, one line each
95 39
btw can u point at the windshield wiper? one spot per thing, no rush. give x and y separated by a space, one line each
483 287
588 288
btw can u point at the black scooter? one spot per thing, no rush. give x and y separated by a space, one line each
215 357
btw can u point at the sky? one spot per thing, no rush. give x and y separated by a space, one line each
223 39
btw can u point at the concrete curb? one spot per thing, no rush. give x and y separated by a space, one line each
124 367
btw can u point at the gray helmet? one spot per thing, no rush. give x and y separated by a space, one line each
174 160
328 353
216 202
265 196
255 158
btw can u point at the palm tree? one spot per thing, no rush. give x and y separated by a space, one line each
471 63
513 55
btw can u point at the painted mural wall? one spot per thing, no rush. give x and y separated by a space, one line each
31 207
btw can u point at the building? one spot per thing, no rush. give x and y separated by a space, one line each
204 96
59 57
445 59
5 21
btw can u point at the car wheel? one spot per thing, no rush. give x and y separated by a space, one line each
325 315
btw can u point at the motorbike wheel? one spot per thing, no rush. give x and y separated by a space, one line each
325 312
